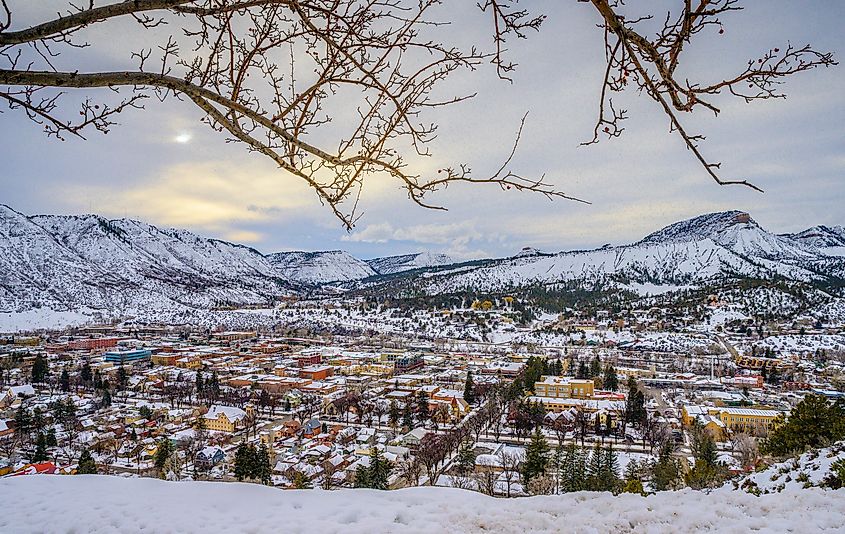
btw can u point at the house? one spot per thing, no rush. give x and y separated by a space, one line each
14 395
224 418
414 437
208 457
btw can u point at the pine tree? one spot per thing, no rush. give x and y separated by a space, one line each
50 436
105 402
40 454
666 473
23 422
595 470
122 378
407 417
199 385
536 457
300 481
469 389
39 369
423 412
264 469
86 466
393 414
583 371
595 368
813 423
64 381
466 458
252 466
85 374
610 471
163 457
214 386
362 477
242 467
379 470
610 381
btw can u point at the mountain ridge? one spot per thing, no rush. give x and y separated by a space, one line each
69 261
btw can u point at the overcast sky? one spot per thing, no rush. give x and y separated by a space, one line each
163 166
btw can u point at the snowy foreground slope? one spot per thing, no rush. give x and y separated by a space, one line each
109 504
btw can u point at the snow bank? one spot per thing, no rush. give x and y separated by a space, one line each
110 504
808 470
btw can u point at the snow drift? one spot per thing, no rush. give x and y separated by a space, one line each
93 503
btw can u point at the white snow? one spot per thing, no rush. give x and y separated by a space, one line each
90 503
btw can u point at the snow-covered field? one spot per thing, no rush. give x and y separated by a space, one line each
109 504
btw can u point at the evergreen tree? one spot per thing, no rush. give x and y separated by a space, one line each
595 469
609 478
610 380
50 436
574 469
423 412
85 374
105 401
379 470
64 381
242 462
666 472
40 454
633 480
407 417
536 457
23 423
122 378
300 481
362 477
814 422
595 368
394 415
40 369
264 469
466 458
86 466
469 389
199 385
583 371
214 386
164 451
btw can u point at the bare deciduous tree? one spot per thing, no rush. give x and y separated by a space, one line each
509 462
332 91
336 91
650 65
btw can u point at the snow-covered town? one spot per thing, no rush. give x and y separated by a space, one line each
556 405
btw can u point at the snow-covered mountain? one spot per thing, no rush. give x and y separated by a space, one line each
821 236
829 239
320 267
67 262
407 262
120 265
708 248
